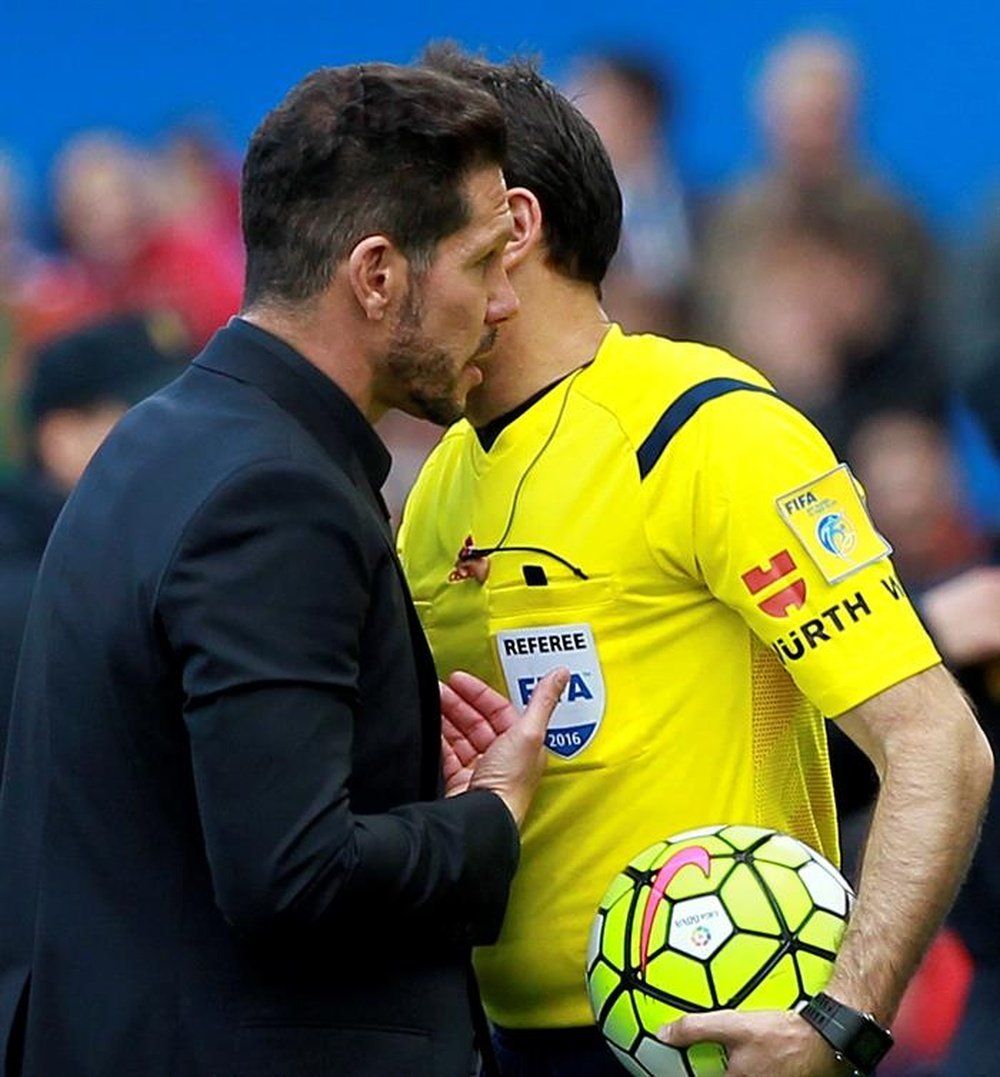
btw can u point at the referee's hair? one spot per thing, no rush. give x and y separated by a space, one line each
554 151
358 151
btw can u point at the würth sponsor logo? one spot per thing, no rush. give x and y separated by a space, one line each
893 586
830 623
791 596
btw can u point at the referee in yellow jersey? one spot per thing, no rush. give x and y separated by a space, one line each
653 516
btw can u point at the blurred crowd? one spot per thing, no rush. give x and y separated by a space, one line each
816 269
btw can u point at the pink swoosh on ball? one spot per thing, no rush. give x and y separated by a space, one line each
695 855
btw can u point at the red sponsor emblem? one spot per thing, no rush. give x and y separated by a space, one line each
791 596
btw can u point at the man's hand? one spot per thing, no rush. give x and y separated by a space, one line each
473 715
777 1043
486 744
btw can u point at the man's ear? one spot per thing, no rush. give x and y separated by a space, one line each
377 272
527 214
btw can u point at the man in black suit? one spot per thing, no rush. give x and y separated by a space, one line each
223 849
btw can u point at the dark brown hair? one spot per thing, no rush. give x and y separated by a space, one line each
554 151
358 151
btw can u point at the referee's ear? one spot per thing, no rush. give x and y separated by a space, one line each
527 214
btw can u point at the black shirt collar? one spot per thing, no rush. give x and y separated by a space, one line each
489 432
247 352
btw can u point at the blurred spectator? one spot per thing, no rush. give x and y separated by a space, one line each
807 102
812 269
972 343
79 386
971 312
119 255
18 260
28 509
969 339
964 616
630 101
907 466
198 187
909 469
905 463
10 254
17 256
817 316
965 612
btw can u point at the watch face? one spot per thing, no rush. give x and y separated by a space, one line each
868 1041
855 1037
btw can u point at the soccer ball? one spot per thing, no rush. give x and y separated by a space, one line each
725 917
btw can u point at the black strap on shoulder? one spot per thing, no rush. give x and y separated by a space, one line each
680 411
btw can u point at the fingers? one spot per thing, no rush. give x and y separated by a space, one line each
543 701
473 714
478 698
456 774
468 721
776 1042
716 1027
450 762
468 731
464 749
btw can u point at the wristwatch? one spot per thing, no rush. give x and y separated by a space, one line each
856 1037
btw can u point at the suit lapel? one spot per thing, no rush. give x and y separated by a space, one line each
431 777
249 355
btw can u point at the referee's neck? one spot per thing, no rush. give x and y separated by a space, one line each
558 329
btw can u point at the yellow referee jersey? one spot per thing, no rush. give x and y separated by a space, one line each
685 542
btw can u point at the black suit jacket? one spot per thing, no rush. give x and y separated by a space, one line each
222 850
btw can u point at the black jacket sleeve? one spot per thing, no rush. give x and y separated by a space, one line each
263 605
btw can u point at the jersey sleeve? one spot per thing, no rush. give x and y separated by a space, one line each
779 531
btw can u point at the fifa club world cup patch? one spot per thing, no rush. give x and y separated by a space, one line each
830 519
527 654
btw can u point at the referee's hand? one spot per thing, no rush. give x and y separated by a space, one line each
486 744
776 1042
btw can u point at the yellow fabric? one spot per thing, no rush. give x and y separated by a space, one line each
713 686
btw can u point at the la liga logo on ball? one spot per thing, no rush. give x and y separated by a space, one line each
725 917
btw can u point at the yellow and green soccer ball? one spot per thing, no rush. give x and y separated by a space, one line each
725 917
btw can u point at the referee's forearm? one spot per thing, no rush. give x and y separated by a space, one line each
935 768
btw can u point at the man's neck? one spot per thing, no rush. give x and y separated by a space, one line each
559 328
303 330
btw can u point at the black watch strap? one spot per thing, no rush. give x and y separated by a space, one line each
856 1037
